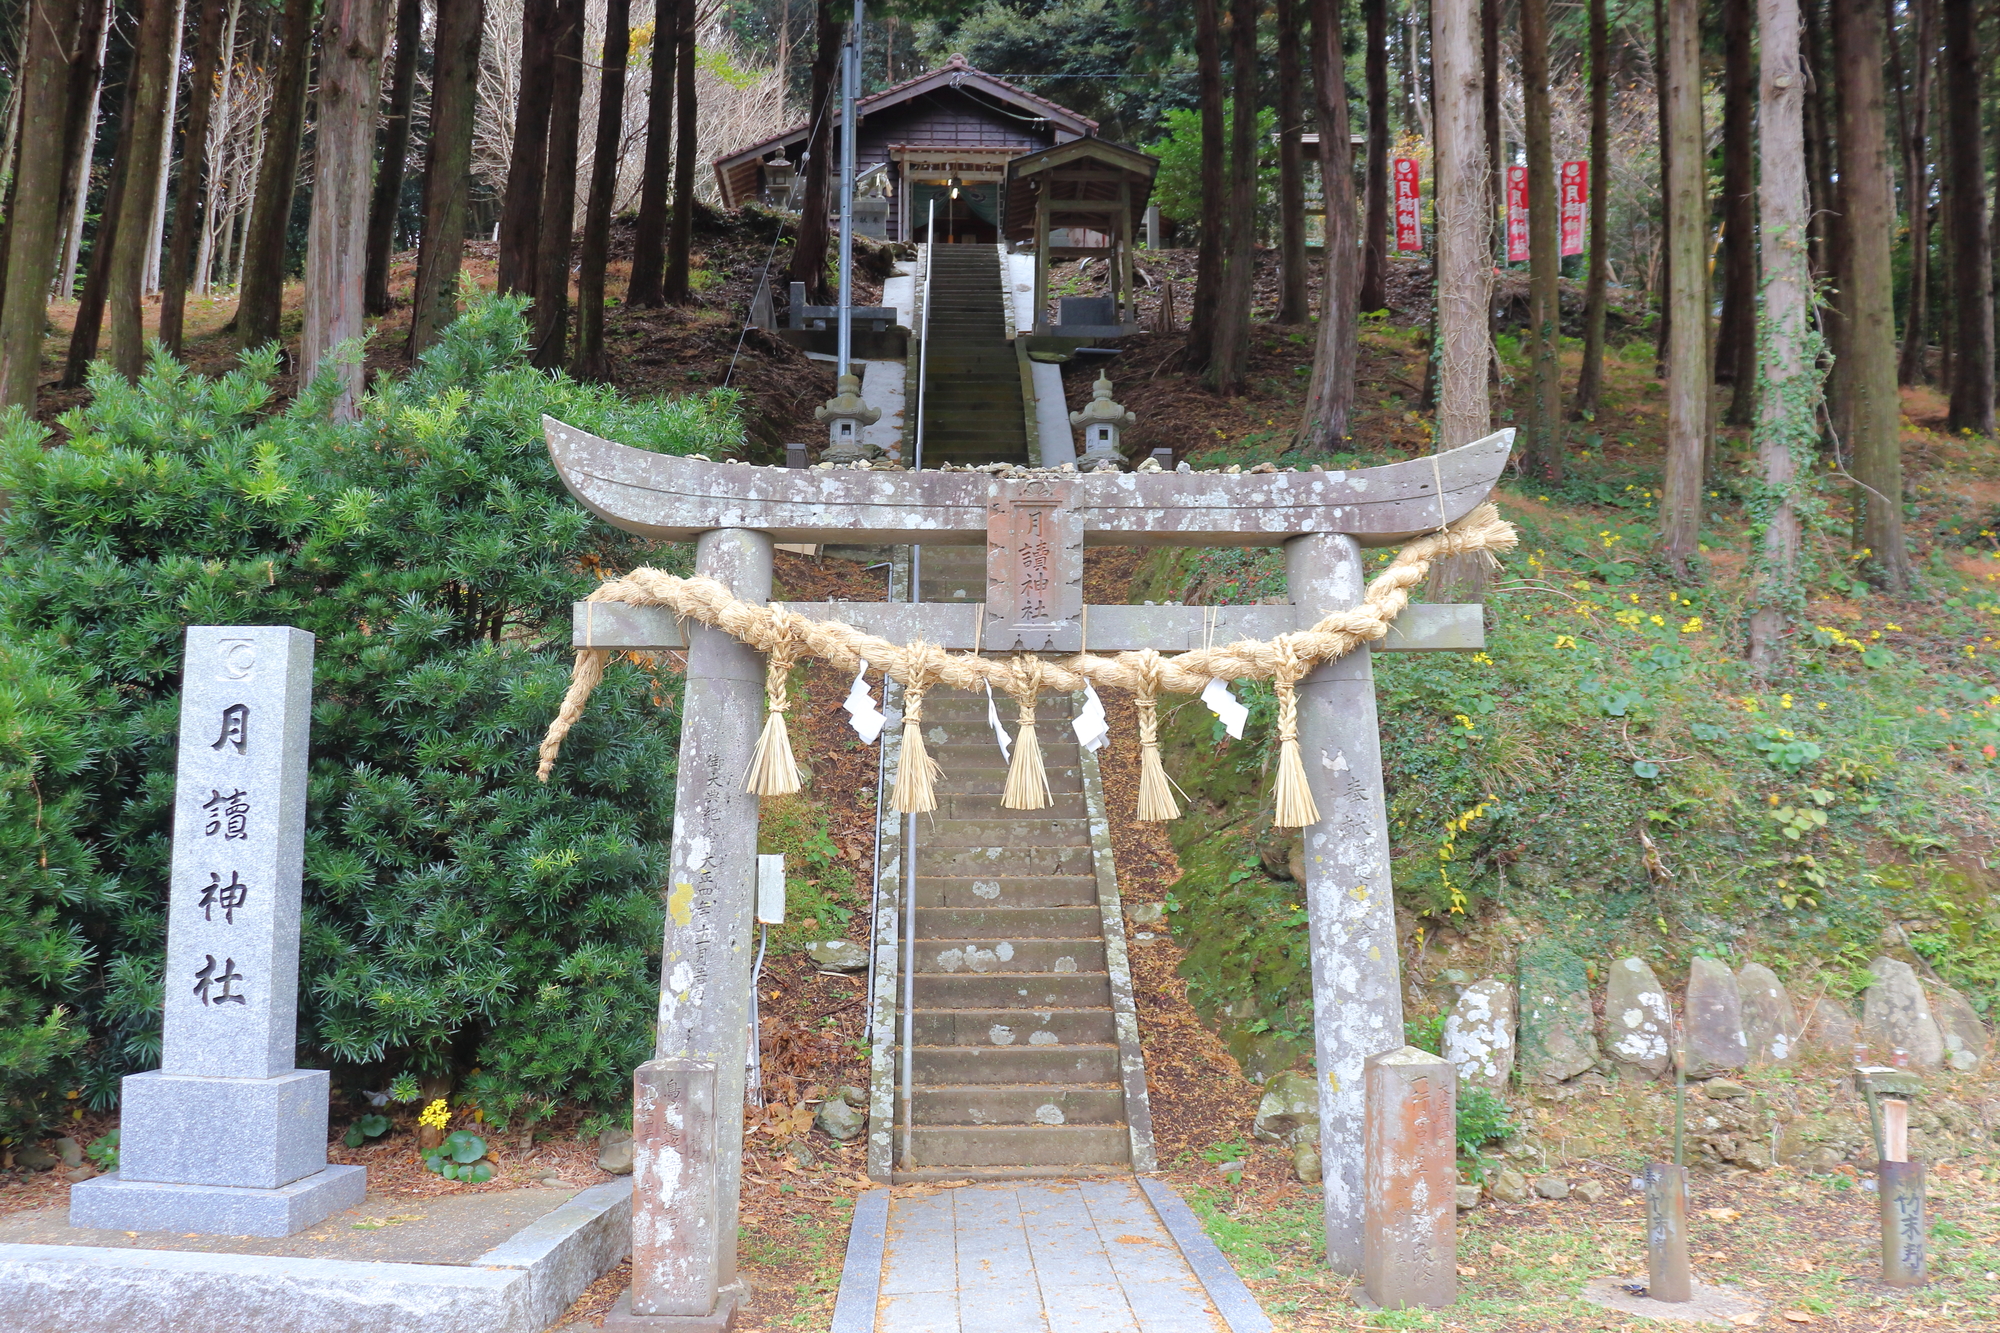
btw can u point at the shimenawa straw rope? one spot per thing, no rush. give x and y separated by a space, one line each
1145 673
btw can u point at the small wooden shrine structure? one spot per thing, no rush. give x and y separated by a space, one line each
1084 199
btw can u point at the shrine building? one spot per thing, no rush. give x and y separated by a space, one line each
946 136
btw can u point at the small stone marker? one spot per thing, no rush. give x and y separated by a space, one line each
1770 1024
674 1203
1410 1236
1831 1029
1479 1035
1896 1016
1965 1040
1638 1023
226 1137
1715 1039
1668 1277
1558 1030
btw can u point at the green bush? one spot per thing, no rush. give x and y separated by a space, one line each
459 915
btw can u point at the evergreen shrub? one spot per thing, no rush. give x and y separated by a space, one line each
462 920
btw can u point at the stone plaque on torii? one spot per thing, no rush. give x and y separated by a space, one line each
1035 526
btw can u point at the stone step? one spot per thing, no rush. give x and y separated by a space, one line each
1009 923
934 1066
972 1175
1013 990
976 1105
971 712
1015 1027
969 804
1015 828
1020 1145
1022 862
1028 955
1007 891
991 778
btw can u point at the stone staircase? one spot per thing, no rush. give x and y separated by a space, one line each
1017 1063
974 409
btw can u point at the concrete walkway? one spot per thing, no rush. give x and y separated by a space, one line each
1110 1255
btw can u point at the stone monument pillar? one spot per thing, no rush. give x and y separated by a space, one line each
1411 1241
226 1137
1357 993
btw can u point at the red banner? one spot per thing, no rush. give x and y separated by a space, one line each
1409 231
1517 215
1573 188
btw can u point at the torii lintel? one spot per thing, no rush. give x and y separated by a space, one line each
671 498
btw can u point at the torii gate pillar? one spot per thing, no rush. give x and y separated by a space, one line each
1357 992
687 1175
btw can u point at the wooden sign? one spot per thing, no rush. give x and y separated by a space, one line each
1409 232
1573 186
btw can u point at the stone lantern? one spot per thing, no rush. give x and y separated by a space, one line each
1101 420
845 415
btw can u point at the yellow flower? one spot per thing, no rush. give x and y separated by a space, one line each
1784 701
1894 629
1483 659
1565 641
1693 625
1656 620
435 1116
1749 704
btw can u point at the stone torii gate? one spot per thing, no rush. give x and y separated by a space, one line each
1035 527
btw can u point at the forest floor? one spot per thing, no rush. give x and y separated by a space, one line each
1799 1242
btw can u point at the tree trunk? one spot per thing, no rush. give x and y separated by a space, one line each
1736 339
1229 360
86 86
1912 367
194 175
1663 332
1971 251
50 38
262 284
809 254
150 73
1374 293
590 362
649 230
1496 169
1330 393
1874 410
1293 302
352 38
1199 350
551 313
461 28
680 239
521 207
1464 228
394 149
1543 456
97 279
1788 408
1819 144
1590 381
1687 343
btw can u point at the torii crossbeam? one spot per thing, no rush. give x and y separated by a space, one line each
1035 527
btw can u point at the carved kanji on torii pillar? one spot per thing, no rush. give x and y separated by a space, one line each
1035 526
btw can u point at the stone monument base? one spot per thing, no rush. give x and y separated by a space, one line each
112 1203
727 1302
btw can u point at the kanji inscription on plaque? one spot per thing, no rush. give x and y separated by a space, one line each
1034 568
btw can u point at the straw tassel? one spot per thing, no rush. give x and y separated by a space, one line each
1156 789
1294 797
915 792
773 770
1027 779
